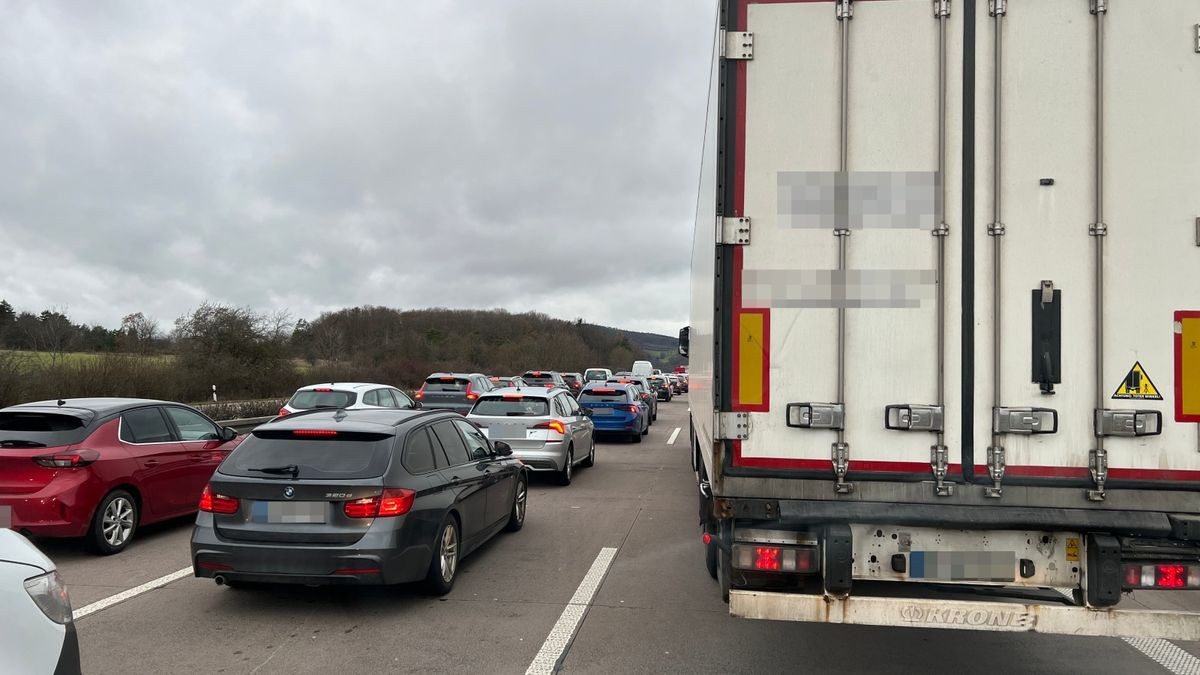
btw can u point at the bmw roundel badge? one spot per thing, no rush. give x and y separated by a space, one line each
289 492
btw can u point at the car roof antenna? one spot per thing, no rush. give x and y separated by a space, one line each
61 403
339 415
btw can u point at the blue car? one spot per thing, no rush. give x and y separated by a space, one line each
616 409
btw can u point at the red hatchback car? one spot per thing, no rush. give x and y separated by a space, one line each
102 467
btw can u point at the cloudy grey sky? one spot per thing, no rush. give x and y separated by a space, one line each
526 154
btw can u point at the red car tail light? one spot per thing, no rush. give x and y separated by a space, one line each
761 558
314 433
211 502
512 397
419 394
471 396
628 408
68 460
553 425
283 411
323 389
393 502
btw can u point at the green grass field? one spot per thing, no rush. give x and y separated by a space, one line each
46 358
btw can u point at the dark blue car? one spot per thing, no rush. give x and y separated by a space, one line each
616 409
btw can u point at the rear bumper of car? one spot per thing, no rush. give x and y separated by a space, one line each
613 424
548 457
460 408
63 508
383 557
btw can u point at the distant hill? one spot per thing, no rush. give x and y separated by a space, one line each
661 350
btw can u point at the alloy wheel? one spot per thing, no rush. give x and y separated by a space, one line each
117 522
449 552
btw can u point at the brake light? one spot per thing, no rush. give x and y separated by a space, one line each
604 391
553 425
446 379
512 397
314 433
628 408
211 502
471 396
68 460
323 389
766 558
1162 575
420 393
283 411
393 502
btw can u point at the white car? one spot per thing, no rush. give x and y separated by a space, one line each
642 368
596 375
348 396
39 633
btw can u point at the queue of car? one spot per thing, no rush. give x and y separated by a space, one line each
351 483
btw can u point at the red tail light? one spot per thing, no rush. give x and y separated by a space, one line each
553 425
420 393
628 408
393 502
283 411
314 433
1171 576
471 396
1162 575
322 389
512 397
211 502
68 460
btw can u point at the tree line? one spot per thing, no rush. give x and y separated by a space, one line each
251 354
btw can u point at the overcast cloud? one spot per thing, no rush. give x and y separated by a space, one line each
526 154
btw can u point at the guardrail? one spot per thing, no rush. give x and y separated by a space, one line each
246 424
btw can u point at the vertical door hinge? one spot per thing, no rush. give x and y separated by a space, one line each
733 426
841 464
995 463
939 460
1198 219
997 7
1098 465
1198 38
1099 6
995 230
941 8
737 45
733 230
845 9
1098 229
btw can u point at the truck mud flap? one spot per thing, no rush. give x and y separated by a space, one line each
965 615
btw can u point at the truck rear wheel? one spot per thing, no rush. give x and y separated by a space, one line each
711 559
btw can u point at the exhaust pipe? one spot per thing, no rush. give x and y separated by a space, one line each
220 579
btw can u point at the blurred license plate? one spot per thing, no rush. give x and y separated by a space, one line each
288 512
504 431
5 517
602 411
963 565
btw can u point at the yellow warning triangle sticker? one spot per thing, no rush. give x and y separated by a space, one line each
1137 385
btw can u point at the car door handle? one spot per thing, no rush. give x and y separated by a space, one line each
151 463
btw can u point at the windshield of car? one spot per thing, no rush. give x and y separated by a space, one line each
595 375
656 382
308 399
340 456
446 384
36 429
542 378
511 406
570 378
604 395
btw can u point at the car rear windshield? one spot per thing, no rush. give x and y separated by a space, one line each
36 430
344 456
604 396
537 379
512 406
595 375
310 399
570 378
446 384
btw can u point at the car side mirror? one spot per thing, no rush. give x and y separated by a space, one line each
503 449
228 434
684 339
416 405
586 412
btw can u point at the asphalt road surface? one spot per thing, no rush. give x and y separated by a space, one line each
606 577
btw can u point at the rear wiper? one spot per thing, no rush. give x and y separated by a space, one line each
280 470
16 443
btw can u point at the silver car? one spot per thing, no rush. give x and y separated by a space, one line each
546 428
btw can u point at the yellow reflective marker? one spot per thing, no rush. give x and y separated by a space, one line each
752 358
1187 366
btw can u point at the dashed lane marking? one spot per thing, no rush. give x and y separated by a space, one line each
131 593
674 435
555 646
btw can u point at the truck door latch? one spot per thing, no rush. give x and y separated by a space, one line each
1128 422
815 415
905 417
1024 421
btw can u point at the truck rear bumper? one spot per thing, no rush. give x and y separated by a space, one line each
965 615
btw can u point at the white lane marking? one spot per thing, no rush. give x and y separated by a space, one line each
674 435
133 592
1167 655
568 622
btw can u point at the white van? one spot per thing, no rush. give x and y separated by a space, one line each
642 368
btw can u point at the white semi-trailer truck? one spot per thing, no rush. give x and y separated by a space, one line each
944 345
